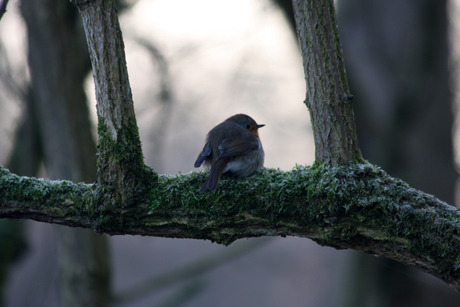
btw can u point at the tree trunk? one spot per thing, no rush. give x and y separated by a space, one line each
120 160
25 160
58 61
328 96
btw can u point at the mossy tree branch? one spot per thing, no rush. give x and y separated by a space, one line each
354 206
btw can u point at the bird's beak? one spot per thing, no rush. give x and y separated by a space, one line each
260 126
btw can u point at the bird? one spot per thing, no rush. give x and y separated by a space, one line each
234 147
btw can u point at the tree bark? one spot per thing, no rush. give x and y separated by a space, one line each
352 206
58 61
328 96
120 160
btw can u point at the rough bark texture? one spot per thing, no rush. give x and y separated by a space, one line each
120 160
328 97
355 206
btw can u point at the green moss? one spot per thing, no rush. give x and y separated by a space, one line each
354 204
123 179
37 192
350 202
125 149
271 190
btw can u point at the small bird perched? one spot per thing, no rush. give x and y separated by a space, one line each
232 146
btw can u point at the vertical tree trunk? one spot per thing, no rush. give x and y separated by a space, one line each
58 63
84 268
24 160
120 159
328 96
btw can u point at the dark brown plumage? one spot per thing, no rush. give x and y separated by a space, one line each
233 146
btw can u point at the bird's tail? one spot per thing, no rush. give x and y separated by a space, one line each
217 168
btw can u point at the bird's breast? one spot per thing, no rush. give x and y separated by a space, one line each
247 164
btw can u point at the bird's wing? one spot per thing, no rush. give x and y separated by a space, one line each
233 147
203 155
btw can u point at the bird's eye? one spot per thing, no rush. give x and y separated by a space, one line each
248 126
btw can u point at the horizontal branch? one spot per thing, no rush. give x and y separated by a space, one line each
354 206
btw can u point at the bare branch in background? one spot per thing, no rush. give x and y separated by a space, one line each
3 4
165 99
13 84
